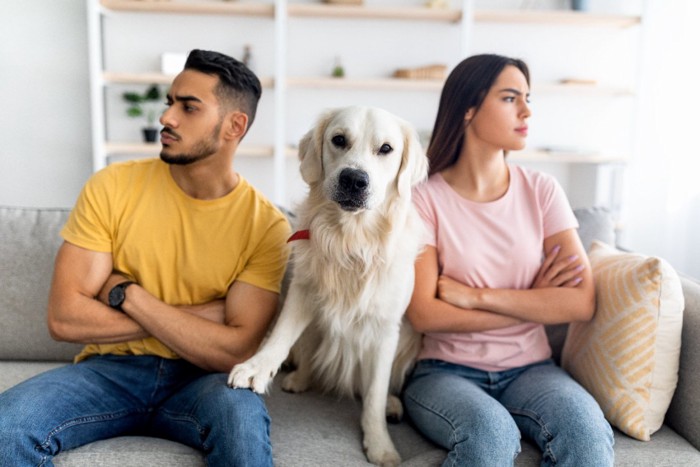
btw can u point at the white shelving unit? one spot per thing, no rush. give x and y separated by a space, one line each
278 147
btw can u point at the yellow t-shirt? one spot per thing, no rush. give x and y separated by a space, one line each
183 250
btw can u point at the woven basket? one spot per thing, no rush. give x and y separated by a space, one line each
423 72
344 2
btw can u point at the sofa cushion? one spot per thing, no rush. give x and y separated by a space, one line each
594 224
627 355
687 392
29 239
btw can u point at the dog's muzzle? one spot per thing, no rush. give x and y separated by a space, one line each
353 189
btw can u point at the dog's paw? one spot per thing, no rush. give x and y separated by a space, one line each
394 409
250 375
295 382
384 456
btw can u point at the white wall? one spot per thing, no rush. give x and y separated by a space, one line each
45 146
44 117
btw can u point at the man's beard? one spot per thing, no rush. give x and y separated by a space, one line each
201 150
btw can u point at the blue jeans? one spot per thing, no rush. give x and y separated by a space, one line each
478 416
108 396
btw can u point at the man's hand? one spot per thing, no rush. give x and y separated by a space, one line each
109 284
213 311
559 272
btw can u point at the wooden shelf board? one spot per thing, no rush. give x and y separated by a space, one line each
153 149
563 17
402 84
365 83
538 156
203 8
563 157
358 11
581 89
154 77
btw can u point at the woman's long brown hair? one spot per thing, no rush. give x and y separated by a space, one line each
465 87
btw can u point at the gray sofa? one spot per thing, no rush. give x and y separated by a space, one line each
307 429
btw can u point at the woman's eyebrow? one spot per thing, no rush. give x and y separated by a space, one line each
514 91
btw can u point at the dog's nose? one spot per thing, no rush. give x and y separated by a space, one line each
353 180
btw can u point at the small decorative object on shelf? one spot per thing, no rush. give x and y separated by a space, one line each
344 2
247 56
579 5
338 70
423 72
437 4
172 63
145 105
579 81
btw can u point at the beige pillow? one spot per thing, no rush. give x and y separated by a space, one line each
627 355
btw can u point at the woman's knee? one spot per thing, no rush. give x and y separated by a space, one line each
581 432
493 439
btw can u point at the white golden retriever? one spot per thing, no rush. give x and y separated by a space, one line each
353 270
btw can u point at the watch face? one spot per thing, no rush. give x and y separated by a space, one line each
116 296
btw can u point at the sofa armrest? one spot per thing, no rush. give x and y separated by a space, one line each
684 413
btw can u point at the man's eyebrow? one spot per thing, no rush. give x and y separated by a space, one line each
184 98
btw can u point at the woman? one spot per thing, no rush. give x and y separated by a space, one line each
483 291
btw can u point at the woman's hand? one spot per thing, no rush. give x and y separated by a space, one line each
455 293
559 272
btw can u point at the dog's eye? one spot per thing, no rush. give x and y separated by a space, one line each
339 141
385 149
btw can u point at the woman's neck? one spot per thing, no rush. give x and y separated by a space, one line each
480 176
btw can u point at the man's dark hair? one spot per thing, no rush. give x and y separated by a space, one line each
238 86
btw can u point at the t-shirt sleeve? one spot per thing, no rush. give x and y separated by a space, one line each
427 214
266 266
557 213
88 225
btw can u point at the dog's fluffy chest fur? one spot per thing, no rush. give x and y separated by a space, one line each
353 271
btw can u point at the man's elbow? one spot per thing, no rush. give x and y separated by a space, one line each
59 330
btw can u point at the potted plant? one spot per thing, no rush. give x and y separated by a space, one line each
145 105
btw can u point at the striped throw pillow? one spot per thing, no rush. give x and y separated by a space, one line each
627 355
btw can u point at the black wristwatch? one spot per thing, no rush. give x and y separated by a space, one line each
118 294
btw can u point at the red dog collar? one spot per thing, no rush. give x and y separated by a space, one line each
300 235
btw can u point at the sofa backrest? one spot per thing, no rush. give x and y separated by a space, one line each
29 240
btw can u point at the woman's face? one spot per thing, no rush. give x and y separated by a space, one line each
501 122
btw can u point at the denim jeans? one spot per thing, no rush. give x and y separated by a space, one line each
478 416
108 396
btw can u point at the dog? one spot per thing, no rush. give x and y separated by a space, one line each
352 271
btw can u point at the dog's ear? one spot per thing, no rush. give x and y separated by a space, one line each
311 150
414 163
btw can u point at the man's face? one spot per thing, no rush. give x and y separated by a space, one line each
192 122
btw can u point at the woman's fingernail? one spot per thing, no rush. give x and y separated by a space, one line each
573 257
579 267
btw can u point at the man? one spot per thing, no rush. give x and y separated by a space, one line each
169 273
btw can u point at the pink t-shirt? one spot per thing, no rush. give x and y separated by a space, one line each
497 244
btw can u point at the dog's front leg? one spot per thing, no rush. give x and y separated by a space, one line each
375 386
257 372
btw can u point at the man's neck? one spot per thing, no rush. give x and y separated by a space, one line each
205 181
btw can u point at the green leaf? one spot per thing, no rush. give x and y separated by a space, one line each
153 93
134 111
132 97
